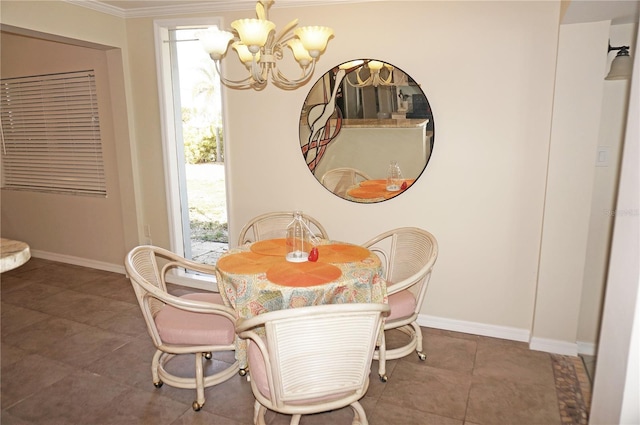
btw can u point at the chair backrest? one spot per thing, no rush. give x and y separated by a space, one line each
274 225
408 255
320 354
339 180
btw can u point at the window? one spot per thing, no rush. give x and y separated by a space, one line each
51 134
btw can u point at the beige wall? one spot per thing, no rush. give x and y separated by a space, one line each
488 71
72 225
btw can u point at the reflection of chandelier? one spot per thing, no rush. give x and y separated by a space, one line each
259 48
375 75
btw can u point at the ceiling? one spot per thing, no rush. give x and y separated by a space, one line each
579 11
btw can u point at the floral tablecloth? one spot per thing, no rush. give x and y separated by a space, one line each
256 278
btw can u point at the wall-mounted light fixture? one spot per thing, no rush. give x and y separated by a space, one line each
259 48
621 65
376 70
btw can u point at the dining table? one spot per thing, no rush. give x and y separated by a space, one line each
257 278
375 190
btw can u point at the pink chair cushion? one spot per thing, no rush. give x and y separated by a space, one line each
182 327
402 304
258 369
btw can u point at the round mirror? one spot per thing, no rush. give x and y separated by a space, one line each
366 131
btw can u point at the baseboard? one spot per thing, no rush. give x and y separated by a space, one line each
587 348
509 333
502 332
474 328
77 261
554 346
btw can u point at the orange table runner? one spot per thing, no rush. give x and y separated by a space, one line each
341 253
248 262
270 247
302 274
373 189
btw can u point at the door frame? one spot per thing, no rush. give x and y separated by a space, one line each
168 131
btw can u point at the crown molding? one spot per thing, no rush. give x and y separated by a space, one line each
203 7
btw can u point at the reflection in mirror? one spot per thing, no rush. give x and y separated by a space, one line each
359 118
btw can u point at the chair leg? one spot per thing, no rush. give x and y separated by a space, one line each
418 334
382 358
359 415
295 420
155 364
258 413
199 402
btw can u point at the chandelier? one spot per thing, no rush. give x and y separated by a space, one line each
375 78
259 48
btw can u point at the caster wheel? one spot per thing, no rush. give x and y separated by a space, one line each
383 378
208 356
158 384
422 356
196 406
242 372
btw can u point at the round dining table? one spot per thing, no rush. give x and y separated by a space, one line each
256 278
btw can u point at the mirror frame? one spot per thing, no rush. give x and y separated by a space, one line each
366 103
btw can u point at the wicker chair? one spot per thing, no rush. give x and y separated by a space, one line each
339 180
274 225
311 359
408 255
196 323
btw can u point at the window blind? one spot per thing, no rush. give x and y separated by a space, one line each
51 134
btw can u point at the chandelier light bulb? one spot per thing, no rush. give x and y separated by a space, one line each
299 52
215 42
253 32
314 39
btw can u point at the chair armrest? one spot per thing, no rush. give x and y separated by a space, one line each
189 305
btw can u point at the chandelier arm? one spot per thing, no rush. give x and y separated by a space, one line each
236 84
351 83
387 82
281 80
279 38
259 72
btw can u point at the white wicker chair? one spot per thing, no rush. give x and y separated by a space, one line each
312 359
339 180
273 225
196 323
408 255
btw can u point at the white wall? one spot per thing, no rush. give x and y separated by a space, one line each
574 140
610 138
616 391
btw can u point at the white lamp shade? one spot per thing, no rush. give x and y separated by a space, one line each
621 67
351 64
214 41
253 32
375 65
314 39
244 54
299 52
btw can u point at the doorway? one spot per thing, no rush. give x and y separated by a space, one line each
193 143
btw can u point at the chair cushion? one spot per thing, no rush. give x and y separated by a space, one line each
182 327
402 304
258 369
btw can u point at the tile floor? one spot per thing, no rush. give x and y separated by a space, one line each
75 351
